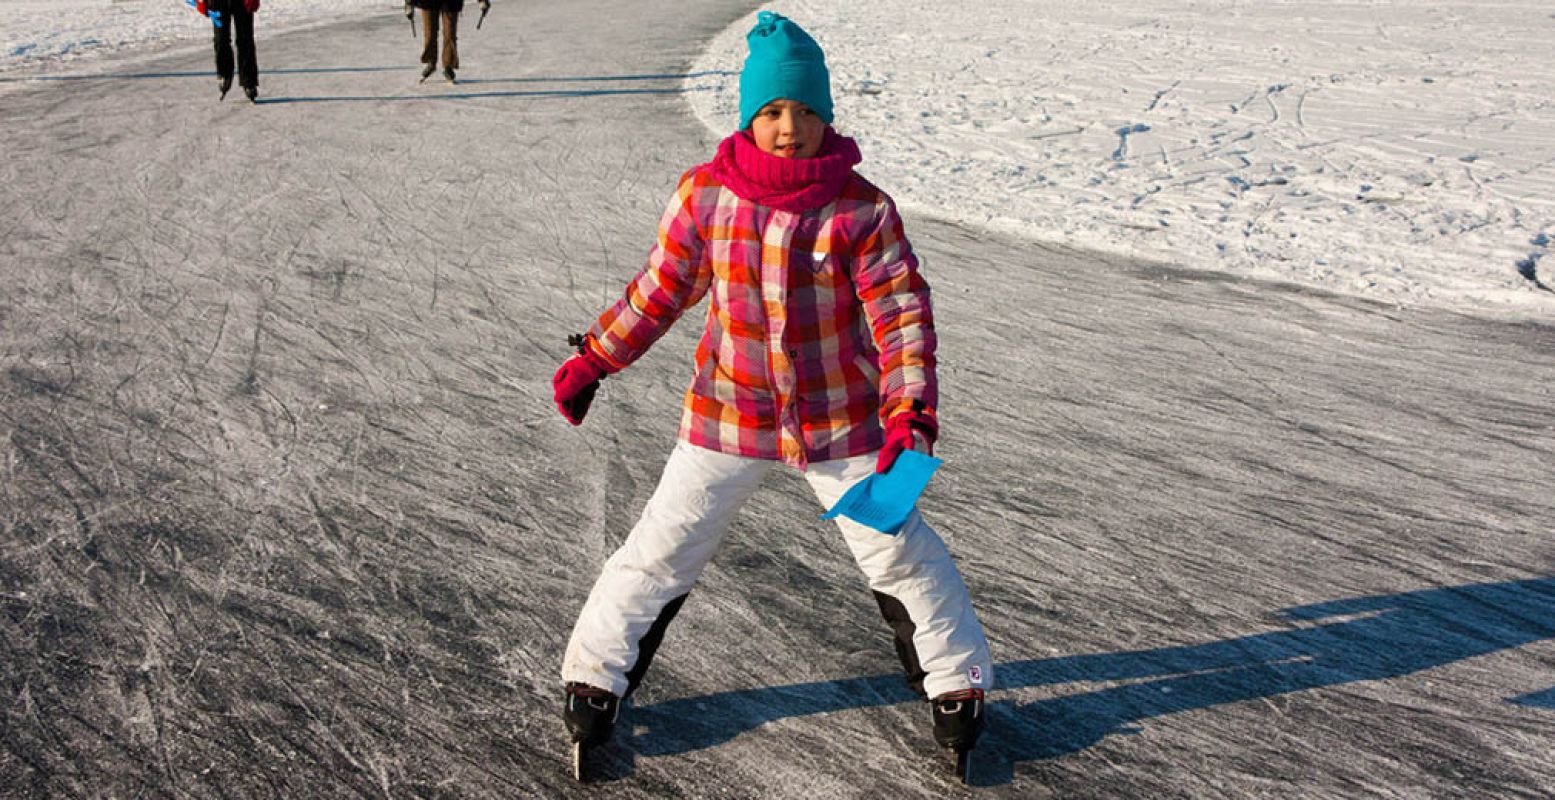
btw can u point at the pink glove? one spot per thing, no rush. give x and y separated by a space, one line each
251 5
575 383
913 430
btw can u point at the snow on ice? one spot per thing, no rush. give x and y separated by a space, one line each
39 37
1396 149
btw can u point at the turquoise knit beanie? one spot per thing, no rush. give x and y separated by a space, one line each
784 64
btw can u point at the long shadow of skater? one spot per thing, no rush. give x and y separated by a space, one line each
508 93
668 76
1379 637
1544 699
201 74
472 95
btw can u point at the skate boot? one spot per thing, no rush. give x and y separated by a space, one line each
225 85
426 71
448 75
590 714
252 92
958 720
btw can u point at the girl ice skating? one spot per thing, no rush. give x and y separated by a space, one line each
817 353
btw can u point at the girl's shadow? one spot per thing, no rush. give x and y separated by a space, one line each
1362 639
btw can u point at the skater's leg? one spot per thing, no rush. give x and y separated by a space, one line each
429 37
248 60
223 37
645 581
913 569
450 40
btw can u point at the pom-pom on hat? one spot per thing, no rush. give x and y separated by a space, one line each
784 64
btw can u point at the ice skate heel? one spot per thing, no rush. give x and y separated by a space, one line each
590 714
958 721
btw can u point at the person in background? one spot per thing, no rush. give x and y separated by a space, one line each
229 16
444 15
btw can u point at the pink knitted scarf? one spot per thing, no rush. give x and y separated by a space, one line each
787 184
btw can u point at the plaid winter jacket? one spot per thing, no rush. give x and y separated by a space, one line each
819 326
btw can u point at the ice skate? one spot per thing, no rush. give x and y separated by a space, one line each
225 85
590 714
958 721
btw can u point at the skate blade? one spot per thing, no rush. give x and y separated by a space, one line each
580 771
964 765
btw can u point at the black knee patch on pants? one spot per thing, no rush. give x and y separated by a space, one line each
902 629
650 643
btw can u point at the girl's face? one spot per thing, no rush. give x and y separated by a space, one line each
788 129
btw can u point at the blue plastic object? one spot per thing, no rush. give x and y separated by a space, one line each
215 16
883 501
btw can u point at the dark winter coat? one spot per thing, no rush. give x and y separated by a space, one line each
225 6
439 5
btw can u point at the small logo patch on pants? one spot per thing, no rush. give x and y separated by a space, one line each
976 674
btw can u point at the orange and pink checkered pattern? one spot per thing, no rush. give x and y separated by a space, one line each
819 324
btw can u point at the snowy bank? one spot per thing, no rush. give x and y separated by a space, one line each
1396 149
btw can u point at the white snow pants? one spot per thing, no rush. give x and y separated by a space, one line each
644 582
